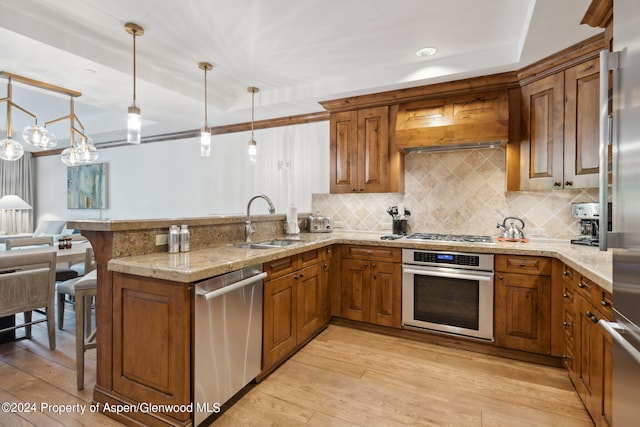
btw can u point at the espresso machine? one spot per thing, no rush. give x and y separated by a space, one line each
588 230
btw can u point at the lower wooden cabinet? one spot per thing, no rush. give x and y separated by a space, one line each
523 303
295 303
370 285
587 347
151 344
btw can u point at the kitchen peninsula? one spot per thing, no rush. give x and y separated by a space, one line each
145 294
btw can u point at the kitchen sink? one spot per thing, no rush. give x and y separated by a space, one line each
269 244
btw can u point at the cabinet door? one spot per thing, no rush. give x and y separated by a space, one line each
309 307
151 341
543 127
386 288
355 290
279 320
581 129
343 140
522 309
585 344
601 372
325 284
373 150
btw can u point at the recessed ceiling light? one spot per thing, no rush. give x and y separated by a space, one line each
426 51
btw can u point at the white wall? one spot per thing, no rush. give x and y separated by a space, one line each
170 179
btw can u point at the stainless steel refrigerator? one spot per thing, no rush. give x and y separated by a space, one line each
624 241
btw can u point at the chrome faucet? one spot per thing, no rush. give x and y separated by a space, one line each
249 228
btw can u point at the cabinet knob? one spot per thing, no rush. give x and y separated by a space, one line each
568 183
604 303
373 265
565 295
557 184
565 324
353 190
301 274
295 277
500 277
366 264
362 189
591 316
567 357
565 273
581 285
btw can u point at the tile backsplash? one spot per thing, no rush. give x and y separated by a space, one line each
459 192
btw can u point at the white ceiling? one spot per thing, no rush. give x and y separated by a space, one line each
297 52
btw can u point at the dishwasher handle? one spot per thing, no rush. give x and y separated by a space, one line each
610 328
233 287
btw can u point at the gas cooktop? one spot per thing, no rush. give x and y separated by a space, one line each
451 237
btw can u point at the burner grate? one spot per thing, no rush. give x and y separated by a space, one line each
471 238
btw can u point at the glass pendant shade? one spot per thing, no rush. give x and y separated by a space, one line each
10 149
133 124
39 136
205 142
86 151
69 157
253 152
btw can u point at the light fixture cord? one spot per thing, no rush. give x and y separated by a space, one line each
134 65
206 122
72 120
253 95
9 124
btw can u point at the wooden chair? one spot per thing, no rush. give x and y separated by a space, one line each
68 287
27 283
85 291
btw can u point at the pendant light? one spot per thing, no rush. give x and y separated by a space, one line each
10 149
134 121
82 152
253 147
205 131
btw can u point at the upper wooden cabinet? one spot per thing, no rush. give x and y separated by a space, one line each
462 119
360 151
560 127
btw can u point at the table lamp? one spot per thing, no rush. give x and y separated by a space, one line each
12 203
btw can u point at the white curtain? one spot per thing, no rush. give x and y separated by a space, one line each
16 178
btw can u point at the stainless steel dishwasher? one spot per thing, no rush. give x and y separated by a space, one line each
227 337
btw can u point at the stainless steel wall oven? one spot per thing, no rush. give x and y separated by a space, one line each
449 292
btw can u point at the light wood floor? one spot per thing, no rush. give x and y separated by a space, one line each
344 377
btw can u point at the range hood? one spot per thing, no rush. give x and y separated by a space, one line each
454 147
475 120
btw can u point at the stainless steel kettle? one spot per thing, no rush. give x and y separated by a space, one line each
511 231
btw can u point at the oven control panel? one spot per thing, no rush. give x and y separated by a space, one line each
448 259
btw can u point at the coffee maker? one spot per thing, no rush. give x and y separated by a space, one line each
588 230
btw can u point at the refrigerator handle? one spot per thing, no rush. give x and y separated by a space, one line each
608 61
610 328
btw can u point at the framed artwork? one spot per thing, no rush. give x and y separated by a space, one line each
87 186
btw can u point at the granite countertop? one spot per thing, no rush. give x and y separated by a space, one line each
187 267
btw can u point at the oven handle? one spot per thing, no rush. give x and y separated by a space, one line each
480 277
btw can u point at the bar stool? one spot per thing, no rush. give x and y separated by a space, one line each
85 289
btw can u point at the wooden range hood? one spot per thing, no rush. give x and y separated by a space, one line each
462 121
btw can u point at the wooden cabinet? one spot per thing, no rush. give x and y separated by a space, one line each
151 344
295 303
523 303
587 347
371 285
560 126
359 148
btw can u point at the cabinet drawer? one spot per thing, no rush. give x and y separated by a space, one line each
587 288
310 257
372 252
604 302
520 264
279 267
568 274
